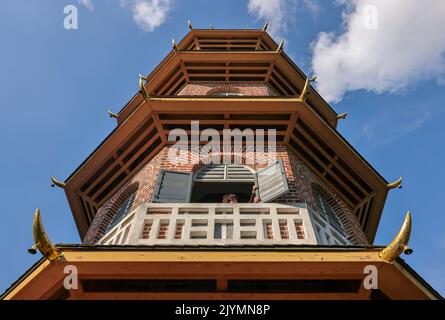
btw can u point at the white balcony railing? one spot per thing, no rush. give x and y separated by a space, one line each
214 224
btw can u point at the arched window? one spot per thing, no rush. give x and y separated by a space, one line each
227 94
122 206
225 91
328 227
224 173
212 181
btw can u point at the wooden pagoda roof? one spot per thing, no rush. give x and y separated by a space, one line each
307 128
229 55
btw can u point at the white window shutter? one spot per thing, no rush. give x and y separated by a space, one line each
272 182
211 172
239 173
173 187
224 173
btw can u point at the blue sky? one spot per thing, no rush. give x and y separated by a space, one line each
56 86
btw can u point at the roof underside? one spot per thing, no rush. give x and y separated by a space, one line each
110 272
307 128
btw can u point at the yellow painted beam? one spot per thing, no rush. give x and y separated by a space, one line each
26 280
220 256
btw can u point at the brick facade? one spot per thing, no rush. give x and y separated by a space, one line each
300 180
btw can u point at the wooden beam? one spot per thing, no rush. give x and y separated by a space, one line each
227 122
119 172
332 161
159 127
329 171
223 296
393 279
291 126
119 159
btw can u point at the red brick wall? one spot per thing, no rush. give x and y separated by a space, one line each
146 180
299 178
244 88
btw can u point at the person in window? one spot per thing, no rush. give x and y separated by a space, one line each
230 198
233 198
254 197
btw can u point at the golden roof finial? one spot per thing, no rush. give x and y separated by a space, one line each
395 184
175 47
42 242
306 92
57 182
342 116
189 24
142 89
400 243
280 47
266 24
112 114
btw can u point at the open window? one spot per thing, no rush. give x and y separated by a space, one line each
213 181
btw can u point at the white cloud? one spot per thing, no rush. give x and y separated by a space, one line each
272 11
313 6
407 46
87 3
281 13
150 14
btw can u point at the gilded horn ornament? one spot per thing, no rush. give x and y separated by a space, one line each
42 242
280 47
342 116
305 92
142 89
265 26
57 182
175 46
395 184
400 243
112 114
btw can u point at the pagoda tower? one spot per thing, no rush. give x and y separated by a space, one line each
161 221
